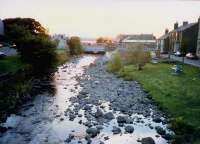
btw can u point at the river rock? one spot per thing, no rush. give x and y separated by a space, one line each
109 116
3 129
98 113
92 132
129 129
160 130
147 140
69 139
116 130
122 119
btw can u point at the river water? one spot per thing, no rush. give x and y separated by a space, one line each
43 121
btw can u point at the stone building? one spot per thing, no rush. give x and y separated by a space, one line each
148 41
1 30
174 40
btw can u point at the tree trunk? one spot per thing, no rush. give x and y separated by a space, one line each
139 67
183 59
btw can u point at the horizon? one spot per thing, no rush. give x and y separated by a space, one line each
92 19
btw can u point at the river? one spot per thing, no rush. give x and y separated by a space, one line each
46 119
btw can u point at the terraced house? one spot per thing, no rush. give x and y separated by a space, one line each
187 34
1 29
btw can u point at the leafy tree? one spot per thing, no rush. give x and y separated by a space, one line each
17 30
138 56
40 53
31 24
74 44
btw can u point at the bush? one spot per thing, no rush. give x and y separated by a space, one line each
137 56
115 64
40 53
75 47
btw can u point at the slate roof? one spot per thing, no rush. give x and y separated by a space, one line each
141 37
179 29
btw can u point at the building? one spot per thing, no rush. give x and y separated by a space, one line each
146 40
163 42
1 30
186 34
61 41
198 40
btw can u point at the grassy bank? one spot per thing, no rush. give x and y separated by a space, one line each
179 95
11 64
62 56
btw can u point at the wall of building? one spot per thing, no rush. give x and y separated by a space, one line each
198 39
1 28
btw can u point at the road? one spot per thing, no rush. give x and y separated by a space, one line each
187 61
89 105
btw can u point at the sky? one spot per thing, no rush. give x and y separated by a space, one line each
94 18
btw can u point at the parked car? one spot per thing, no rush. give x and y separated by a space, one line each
2 55
178 53
191 56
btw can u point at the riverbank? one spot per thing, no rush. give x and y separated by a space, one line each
177 95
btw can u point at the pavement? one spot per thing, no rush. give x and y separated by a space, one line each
187 61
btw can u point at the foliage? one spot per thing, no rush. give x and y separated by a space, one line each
11 64
115 64
137 56
158 53
103 40
75 47
40 53
31 24
62 56
178 95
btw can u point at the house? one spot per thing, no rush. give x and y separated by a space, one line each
186 34
1 29
61 41
163 42
198 40
146 40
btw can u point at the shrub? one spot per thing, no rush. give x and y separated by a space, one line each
75 47
137 56
40 53
115 64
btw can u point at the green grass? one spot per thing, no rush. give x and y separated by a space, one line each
11 64
178 94
62 56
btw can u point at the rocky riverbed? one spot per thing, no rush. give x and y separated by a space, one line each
90 105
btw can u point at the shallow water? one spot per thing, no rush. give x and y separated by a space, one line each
46 122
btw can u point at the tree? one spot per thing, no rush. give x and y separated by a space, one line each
39 52
17 30
183 49
74 44
137 56
31 24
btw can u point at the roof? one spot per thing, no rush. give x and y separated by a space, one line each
143 38
179 29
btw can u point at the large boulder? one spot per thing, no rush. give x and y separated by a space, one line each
147 140
109 116
98 113
92 132
129 129
116 130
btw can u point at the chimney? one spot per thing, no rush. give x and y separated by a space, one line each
176 25
166 31
185 23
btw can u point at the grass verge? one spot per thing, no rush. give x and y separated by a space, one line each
179 95
11 64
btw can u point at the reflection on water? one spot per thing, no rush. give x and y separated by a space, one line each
46 122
